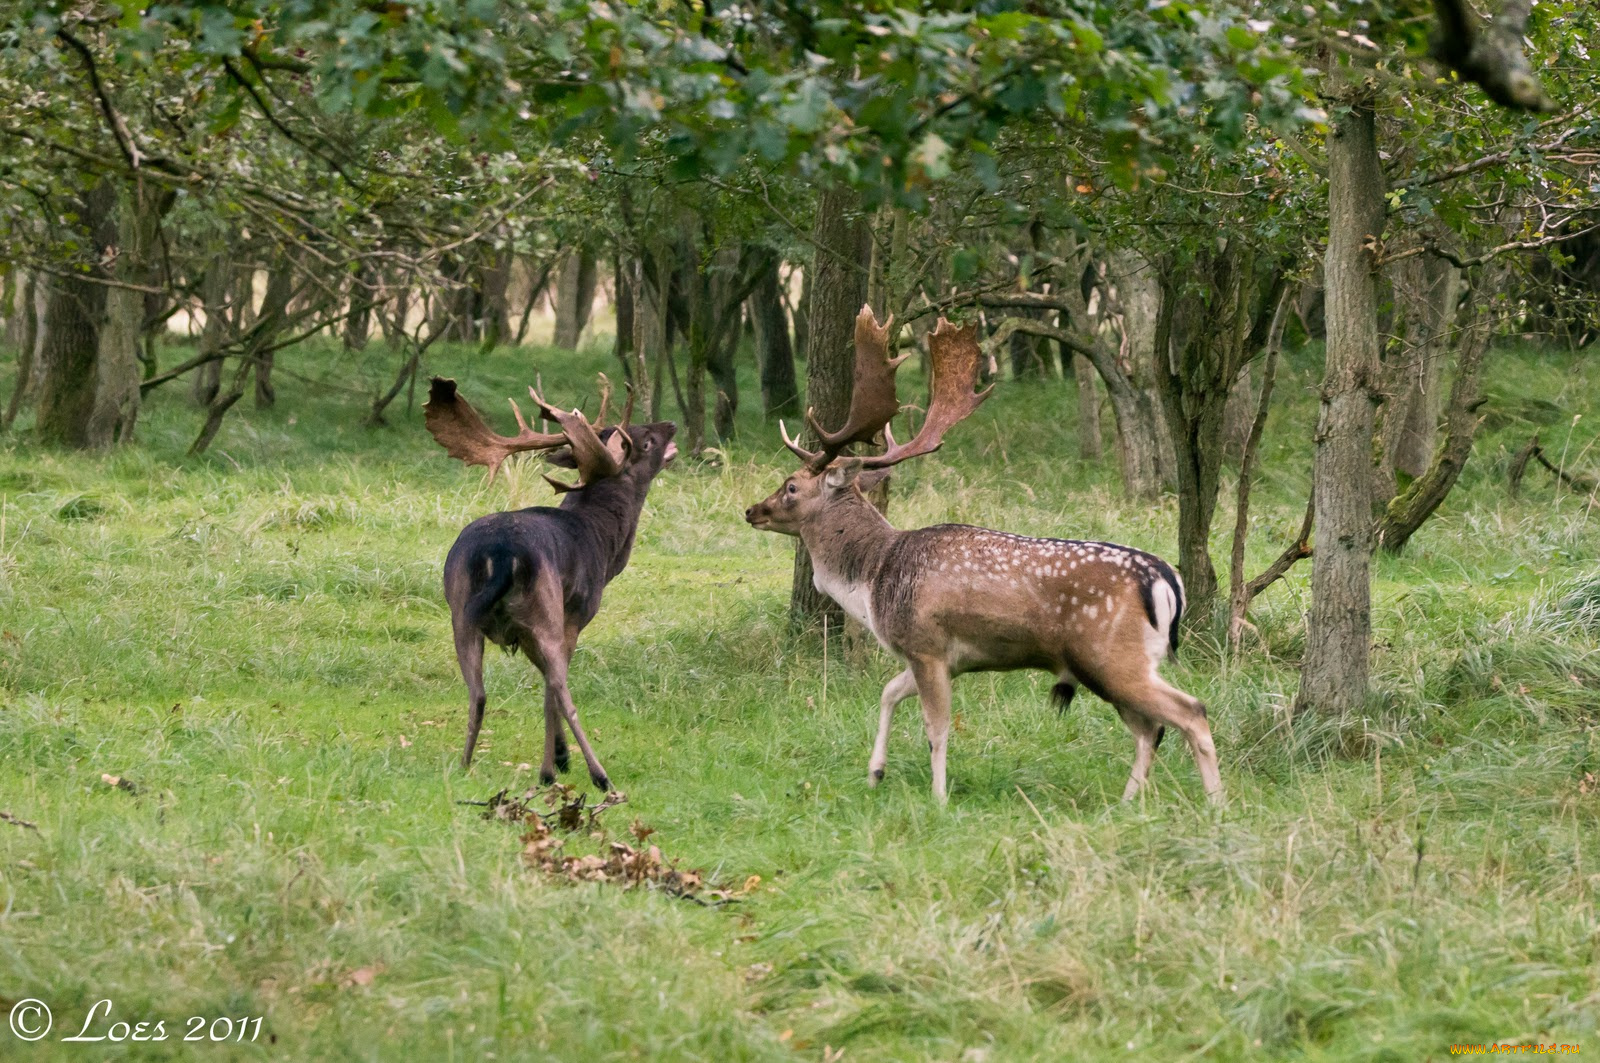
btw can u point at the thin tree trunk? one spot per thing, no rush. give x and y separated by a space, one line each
26 322
802 314
213 300
622 345
358 326
780 393
1088 406
1148 460
1426 290
838 278
280 284
1334 673
268 323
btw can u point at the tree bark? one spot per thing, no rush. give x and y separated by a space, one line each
27 312
213 301
280 286
623 283
1088 406
262 332
1334 672
780 393
119 369
69 361
1426 289
358 326
575 284
838 276
1144 441
1412 507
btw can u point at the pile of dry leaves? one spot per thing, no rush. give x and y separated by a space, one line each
566 813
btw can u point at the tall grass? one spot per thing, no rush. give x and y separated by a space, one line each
256 639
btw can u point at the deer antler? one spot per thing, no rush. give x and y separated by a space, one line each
872 396
954 356
464 435
462 432
595 459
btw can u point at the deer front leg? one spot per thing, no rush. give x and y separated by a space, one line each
933 687
895 691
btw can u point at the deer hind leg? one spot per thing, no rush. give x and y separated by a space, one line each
895 691
1163 703
556 757
933 687
1146 737
552 651
469 655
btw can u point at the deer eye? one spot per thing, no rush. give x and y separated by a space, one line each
793 489
647 446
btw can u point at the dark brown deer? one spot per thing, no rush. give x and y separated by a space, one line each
531 580
953 598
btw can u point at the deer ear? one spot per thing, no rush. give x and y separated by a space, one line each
841 475
562 457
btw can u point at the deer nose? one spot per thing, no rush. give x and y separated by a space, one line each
749 511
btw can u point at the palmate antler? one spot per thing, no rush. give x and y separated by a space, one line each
460 429
954 358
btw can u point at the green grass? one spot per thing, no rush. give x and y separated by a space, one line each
258 640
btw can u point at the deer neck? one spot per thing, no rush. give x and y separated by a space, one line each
847 543
611 508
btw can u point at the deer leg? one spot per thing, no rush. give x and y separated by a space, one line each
895 691
556 757
933 687
1146 737
1163 703
469 655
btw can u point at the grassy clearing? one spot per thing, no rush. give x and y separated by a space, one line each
258 640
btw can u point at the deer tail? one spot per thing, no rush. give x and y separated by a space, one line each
1164 601
490 574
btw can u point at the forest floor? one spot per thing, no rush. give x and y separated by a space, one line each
255 643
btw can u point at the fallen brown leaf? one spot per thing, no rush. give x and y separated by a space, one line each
361 976
15 821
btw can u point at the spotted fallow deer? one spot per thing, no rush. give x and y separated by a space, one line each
953 598
531 580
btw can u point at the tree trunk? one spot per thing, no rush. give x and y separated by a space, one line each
494 280
726 319
1426 290
802 314
280 285
268 323
1088 406
1334 672
1238 416
358 325
575 285
1144 441
838 277
649 340
1413 506
213 301
623 283
780 393
69 363
119 368
26 307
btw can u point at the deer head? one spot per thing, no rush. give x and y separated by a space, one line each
596 451
825 475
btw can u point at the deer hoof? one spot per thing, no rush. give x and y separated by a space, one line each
546 778
875 777
601 783
563 762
